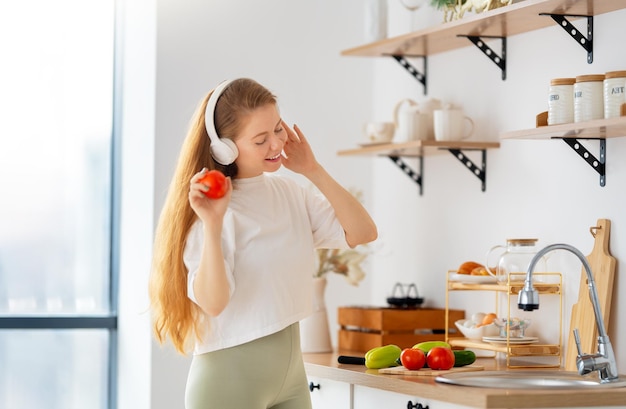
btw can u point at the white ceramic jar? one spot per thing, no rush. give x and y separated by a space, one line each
561 101
614 96
588 97
375 20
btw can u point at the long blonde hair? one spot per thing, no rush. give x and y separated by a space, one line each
174 314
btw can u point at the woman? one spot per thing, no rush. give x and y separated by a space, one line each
232 275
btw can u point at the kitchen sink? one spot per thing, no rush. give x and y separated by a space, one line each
528 379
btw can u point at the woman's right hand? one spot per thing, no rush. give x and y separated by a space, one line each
208 210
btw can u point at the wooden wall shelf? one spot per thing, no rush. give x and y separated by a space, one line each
418 149
415 148
596 129
506 21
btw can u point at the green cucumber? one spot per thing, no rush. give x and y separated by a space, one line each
464 358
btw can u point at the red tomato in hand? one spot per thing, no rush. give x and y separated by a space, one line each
440 358
216 181
412 358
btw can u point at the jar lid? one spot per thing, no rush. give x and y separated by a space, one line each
562 81
522 242
615 74
590 77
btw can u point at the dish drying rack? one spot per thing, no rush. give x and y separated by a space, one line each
511 288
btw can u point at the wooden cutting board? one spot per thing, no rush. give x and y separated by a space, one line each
603 268
400 370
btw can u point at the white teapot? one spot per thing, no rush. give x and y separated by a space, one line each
411 124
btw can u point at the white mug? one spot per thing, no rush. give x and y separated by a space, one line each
449 125
379 132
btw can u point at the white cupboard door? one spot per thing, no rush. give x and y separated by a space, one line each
327 394
370 398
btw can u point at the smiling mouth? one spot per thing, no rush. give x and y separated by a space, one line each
274 157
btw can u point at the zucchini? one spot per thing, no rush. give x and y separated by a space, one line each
382 357
463 358
428 345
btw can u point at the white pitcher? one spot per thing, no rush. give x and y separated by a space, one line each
411 124
428 107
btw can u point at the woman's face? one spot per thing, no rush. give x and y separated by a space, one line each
260 142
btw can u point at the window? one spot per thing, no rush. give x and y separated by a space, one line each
57 214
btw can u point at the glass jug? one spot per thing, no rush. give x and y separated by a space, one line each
515 259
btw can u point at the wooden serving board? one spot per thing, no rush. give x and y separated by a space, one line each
400 370
603 268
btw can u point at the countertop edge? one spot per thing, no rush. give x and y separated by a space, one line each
325 365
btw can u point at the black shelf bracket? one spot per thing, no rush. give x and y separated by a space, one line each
499 60
596 163
479 172
585 41
416 177
412 70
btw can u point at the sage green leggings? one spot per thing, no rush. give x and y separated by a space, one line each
261 374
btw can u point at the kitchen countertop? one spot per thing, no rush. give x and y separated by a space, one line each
325 365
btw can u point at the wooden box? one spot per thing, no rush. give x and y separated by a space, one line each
364 328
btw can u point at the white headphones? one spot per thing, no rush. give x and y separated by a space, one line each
223 150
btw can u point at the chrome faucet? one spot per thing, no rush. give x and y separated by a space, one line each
604 361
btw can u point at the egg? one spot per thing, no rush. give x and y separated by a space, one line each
478 317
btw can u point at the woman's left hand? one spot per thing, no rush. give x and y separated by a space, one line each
298 155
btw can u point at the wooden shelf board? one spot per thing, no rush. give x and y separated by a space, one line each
542 288
501 22
596 129
416 148
515 350
514 286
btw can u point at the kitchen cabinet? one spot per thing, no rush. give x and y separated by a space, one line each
552 286
330 394
500 23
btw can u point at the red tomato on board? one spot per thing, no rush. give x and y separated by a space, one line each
216 181
440 358
412 358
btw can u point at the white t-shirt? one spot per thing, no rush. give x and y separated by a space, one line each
270 231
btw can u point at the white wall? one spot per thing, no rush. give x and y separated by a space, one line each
539 189
534 188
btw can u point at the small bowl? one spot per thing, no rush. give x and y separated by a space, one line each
515 327
405 298
476 332
405 302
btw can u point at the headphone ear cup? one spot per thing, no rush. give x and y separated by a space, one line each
224 151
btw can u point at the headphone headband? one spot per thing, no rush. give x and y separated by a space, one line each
224 151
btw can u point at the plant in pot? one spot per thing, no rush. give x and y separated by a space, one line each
455 9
